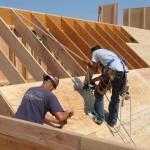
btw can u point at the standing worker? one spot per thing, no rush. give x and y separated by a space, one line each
37 101
114 72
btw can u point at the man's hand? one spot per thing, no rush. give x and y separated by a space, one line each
70 113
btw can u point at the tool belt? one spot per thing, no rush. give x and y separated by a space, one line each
104 85
110 77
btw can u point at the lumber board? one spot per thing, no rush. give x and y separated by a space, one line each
127 34
9 70
6 109
19 134
120 34
76 38
123 48
7 18
58 50
4 47
127 47
38 47
116 46
97 36
24 56
83 33
38 135
100 144
55 29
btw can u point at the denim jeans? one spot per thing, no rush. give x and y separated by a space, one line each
99 105
113 104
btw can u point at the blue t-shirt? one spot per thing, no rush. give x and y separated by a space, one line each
36 102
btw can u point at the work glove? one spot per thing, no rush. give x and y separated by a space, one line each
124 92
91 86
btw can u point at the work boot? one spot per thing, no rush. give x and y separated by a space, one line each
95 118
107 120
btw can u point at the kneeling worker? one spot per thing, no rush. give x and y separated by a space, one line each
40 100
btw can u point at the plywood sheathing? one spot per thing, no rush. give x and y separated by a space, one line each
137 17
141 48
108 14
71 96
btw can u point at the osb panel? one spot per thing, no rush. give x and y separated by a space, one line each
71 96
142 47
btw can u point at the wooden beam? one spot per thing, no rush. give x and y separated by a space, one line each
115 36
120 34
38 135
51 62
84 34
21 52
9 70
123 53
6 109
88 143
89 28
59 51
55 29
76 38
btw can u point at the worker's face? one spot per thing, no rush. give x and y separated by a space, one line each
51 87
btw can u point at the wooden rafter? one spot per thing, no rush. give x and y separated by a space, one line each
21 52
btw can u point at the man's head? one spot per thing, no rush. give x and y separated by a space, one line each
52 79
95 47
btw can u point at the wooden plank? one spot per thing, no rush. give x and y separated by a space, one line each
137 17
126 17
65 40
6 109
108 13
84 34
21 52
120 34
76 38
146 18
9 70
128 57
102 42
115 36
4 47
39 135
127 34
7 18
59 51
88 143
12 143
39 48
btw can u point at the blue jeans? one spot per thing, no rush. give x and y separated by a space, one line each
113 104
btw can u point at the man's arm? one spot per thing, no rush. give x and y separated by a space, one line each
93 66
62 116
59 117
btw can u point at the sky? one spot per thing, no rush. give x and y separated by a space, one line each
81 9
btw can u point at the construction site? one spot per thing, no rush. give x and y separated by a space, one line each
34 43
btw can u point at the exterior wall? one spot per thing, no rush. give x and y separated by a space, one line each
108 14
137 17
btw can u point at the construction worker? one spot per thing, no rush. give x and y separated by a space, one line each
40 100
114 73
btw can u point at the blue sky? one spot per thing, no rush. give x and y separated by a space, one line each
82 9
